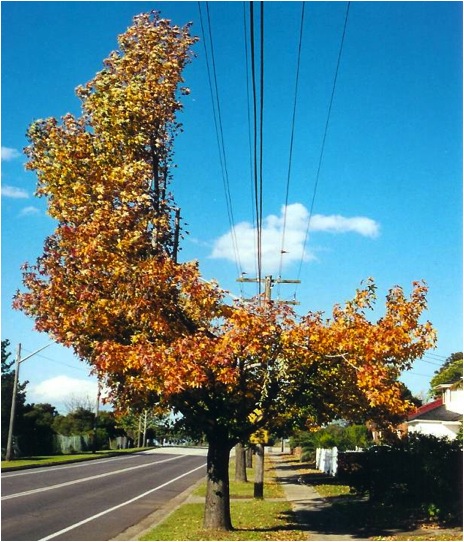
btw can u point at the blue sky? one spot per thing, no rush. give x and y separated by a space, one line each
388 203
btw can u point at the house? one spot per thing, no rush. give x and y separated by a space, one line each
442 417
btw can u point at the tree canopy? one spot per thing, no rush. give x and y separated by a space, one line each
109 283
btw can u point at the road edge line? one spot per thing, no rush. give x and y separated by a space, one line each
135 532
113 508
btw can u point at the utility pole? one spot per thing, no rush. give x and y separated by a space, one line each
95 422
145 424
259 467
9 445
268 285
139 434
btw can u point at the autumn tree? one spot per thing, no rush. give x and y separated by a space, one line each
109 283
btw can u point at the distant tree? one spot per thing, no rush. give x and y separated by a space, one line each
157 425
357 436
38 434
6 365
343 436
106 429
8 375
407 395
76 402
79 422
128 424
449 373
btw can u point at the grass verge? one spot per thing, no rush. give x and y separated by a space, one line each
50 460
241 490
253 519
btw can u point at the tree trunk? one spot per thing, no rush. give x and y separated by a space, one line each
217 504
259 472
249 457
240 463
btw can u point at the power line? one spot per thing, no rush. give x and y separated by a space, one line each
437 356
326 129
58 362
258 134
250 154
419 374
261 117
432 362
214 92
287 189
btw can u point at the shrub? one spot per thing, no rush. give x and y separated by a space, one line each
424 469
344 437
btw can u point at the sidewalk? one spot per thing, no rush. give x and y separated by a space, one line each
312 512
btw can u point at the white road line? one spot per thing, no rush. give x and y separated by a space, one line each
112 509
78 464
86 479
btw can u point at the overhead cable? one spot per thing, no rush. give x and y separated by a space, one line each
250 151
213 85
326 129
258 133
295 99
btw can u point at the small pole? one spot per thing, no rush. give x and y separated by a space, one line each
95 423
258 490
139 434
9 446
267 287
145 423
268 284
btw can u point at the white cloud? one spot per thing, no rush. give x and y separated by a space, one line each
60 389
295 232
14 192
9 154
340 224
28 211
296 227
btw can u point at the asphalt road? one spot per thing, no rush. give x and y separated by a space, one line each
95 500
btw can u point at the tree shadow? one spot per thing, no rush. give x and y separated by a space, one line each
311 479
350 515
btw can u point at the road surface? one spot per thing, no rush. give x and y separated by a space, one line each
95 500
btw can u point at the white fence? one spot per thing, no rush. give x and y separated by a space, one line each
327 460
72 444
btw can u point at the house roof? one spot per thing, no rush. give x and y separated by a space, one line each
437 413
450 385
424 409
